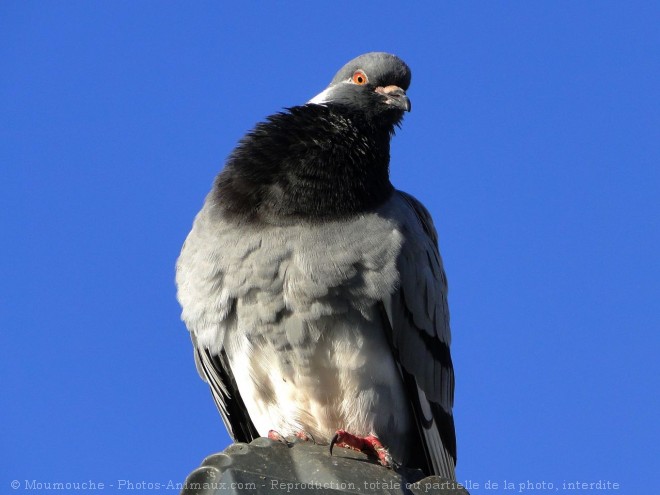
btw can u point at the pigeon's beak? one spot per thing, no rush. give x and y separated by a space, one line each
395 96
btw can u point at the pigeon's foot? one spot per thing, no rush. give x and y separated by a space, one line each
305 437
369 445
274 435
300 435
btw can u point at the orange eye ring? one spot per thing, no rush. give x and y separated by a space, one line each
359 78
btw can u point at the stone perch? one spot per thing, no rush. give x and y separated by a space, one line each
268 467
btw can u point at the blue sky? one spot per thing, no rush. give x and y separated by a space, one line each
534 140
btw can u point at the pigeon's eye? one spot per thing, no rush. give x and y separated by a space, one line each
359 77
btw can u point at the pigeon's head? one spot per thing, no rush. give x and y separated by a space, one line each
374 83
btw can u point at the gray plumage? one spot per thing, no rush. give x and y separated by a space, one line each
305 322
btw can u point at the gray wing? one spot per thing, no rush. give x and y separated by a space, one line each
214 370
197 271
418 316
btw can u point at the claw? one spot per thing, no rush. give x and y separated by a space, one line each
334 440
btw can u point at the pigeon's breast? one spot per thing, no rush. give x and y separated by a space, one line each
257 274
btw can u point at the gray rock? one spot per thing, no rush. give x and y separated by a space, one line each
268 467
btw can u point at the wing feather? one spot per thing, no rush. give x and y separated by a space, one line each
418 318
199 273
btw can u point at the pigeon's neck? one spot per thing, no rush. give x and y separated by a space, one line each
312 162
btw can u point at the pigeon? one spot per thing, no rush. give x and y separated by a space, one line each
314 291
